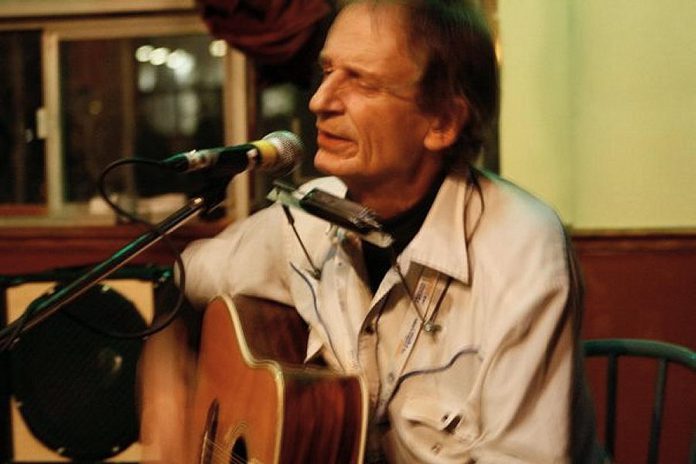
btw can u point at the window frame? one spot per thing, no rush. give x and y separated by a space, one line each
55 31
24 8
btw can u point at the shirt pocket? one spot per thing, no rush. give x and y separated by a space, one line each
432 429
450 418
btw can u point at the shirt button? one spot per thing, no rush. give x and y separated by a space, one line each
436 448
390 377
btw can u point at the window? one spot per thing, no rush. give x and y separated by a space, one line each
148 97
84 91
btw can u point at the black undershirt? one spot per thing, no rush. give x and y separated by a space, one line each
402 228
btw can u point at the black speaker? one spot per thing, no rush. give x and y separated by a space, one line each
70 384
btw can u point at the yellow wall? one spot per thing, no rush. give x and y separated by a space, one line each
598 109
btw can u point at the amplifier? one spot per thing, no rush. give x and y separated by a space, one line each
67 386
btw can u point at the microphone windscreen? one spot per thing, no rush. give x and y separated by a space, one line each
289 151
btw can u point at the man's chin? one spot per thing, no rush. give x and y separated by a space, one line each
332 164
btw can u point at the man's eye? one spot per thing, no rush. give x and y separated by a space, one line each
368 86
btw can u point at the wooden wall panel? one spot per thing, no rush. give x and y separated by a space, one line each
27 250
642 285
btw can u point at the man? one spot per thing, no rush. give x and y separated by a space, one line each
465 329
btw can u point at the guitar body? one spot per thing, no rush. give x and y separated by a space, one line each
255 400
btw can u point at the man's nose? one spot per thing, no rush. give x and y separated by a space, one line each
327 98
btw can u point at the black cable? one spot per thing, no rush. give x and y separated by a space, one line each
101 185
26 316
22 321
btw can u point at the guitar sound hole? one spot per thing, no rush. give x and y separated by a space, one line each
210 433
239 452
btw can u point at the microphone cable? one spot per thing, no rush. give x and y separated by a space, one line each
134 218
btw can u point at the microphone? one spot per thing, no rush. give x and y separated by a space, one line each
277 153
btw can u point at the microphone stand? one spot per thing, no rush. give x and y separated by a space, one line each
205 201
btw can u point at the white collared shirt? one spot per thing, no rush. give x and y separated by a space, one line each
494 383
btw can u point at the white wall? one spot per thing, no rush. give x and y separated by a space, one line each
598 109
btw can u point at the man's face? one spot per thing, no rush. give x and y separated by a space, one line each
370 129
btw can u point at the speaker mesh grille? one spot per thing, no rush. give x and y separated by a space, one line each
75 387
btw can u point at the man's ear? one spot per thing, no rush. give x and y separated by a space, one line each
446 126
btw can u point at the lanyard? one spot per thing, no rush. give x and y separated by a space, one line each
428 296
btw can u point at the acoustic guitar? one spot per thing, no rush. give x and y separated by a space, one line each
256 401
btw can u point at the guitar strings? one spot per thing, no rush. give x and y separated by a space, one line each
219 452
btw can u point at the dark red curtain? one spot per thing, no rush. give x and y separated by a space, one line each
268 31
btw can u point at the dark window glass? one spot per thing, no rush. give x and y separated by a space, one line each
145 97
22 179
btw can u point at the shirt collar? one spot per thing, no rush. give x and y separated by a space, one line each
441 243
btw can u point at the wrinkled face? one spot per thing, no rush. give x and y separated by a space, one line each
370 128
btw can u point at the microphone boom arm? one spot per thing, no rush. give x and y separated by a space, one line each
205 201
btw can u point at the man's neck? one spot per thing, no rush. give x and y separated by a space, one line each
393 197
403 228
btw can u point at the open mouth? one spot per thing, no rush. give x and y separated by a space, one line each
330 140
